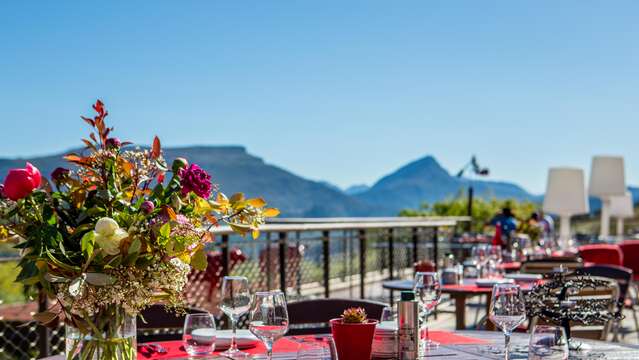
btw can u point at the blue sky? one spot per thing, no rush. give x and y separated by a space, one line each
341 91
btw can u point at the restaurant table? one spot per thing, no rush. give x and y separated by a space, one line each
458 292
463 345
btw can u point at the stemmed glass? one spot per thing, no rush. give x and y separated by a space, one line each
548 342
507 311
480 254
317 348
268 319
236 301
427 287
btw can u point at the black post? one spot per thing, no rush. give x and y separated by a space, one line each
415 245
327 262
282 259
362 263
269 264
435 246
470 208
44 334
391 253
225 255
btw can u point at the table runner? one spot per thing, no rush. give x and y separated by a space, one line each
285 345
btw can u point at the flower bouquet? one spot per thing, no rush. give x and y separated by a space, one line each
113 234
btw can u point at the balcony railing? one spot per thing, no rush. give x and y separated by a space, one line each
305 258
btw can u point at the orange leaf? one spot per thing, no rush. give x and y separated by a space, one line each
156 150
88 144
212 219
170 213
88 121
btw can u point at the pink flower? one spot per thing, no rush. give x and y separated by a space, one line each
21 182
195 179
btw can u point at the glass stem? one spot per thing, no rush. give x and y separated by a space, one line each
233 346
269 349
506 346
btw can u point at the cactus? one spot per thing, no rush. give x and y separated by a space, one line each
354 316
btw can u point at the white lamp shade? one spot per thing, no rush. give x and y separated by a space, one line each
622 206
565 192
607 177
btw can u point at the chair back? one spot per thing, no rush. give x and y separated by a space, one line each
424 266
622 275
312 316
595 332
547 266
156 323
602 254
630 250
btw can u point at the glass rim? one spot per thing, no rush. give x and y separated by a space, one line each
269 292
207 314
426 273
235 277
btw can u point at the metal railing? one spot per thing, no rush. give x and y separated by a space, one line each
305 258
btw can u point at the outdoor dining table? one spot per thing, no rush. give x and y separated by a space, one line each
458 292
464 345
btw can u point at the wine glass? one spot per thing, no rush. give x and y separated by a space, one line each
199 334
548 342
387 315
427 287
317 348
268 318
236 301
480 254
507 310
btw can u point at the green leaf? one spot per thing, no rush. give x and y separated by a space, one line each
198 260
165 230
87 243
45 317
135 246
99 279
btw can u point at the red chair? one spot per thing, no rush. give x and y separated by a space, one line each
601 254
630 250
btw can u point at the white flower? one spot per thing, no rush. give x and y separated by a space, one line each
108 235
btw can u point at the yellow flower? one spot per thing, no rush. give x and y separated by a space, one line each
108 235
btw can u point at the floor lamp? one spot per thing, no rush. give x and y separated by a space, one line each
621 207
607 180
565 196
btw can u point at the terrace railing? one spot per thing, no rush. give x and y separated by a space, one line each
305 258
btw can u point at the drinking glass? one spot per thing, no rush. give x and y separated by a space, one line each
235 301
548 342
317 348
387 315
199 334
507 311
427 287
268 318
480 254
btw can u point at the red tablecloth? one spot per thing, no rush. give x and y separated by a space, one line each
286 345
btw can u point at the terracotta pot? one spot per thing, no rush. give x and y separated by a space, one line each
353 341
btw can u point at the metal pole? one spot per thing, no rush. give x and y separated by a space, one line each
282 260
435 246
470 207
415 245
225 255
391 252
44 334
327 262
362 263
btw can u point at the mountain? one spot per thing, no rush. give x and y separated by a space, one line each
357 189
425 180
235 170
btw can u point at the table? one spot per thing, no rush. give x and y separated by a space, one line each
483 344
458 292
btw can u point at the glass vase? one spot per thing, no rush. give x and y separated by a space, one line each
109 334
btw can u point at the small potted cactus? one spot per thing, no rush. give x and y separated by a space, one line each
353 333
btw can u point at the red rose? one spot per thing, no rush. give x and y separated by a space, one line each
21 182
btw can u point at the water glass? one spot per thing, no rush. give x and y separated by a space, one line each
387 315
548 342
317 348
235 301
507 311
199 334
427 286
268 318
